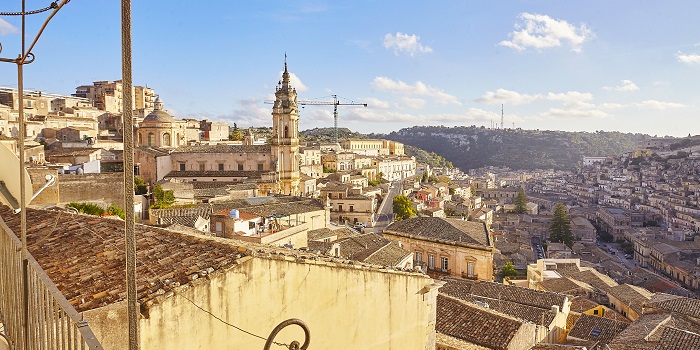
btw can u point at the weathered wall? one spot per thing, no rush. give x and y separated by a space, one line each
344 308
107 188
48 196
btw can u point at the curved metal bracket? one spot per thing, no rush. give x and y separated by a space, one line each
295 344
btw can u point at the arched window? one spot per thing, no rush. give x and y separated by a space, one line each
166 139
151 139
286 131
140 139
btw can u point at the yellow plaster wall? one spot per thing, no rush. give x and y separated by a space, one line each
345 308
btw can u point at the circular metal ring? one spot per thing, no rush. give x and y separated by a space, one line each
294 344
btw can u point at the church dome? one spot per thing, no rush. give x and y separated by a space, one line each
158 115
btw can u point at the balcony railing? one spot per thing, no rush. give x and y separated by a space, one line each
52 322
470 277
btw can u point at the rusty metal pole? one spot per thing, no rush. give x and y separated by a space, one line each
127 122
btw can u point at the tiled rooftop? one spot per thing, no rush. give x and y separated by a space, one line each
632 296
561 285
215 173
525 296
674 303
677 339
510 300
83 255
453 230
223 149
372 248
474 324
596 328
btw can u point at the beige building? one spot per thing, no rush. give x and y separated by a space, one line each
373 147
108 96
395 168
447 246
159 129
192 287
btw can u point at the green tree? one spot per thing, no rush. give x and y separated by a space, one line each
235 134
560 228
424 178
140 186
402 207
164 199
520 202
508 270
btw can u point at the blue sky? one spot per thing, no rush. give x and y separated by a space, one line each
629 66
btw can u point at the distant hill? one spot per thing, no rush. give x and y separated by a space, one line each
475 147
327 135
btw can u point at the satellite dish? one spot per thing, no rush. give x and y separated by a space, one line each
9 181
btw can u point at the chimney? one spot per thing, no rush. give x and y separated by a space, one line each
555 309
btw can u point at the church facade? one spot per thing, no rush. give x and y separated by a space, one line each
274 167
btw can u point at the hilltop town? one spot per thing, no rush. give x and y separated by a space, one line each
256 230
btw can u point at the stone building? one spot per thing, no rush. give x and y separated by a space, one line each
192 287
164 152
447 246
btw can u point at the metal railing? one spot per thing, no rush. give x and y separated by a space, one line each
52 322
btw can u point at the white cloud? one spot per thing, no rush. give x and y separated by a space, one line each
419 88
503 96
659 105
7 28
411 103
296 83
610 105
515 98
558 113
405 44
541 31
627 85
687 59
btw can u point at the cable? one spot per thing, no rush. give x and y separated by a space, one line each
152 272
34 12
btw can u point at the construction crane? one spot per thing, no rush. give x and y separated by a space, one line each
335 103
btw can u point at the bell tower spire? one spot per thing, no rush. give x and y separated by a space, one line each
285 134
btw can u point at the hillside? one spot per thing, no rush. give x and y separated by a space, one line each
475 147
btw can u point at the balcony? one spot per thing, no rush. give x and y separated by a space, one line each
53 323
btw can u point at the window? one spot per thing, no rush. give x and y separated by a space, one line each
444 263
182 166
260 166
419 256
240 167
166 139
151 139
202 166
431 261
352 208
221 167
340 207
470 269
251 225
218 226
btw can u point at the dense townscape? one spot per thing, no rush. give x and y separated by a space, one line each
253 230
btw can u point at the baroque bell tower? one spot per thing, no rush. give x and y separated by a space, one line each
285 135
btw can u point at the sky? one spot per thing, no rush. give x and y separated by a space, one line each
630 66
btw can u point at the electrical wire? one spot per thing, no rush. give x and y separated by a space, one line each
33 12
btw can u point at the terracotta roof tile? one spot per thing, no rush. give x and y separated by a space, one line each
453 230
677 339
596 328
83 256
223 149
474 324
